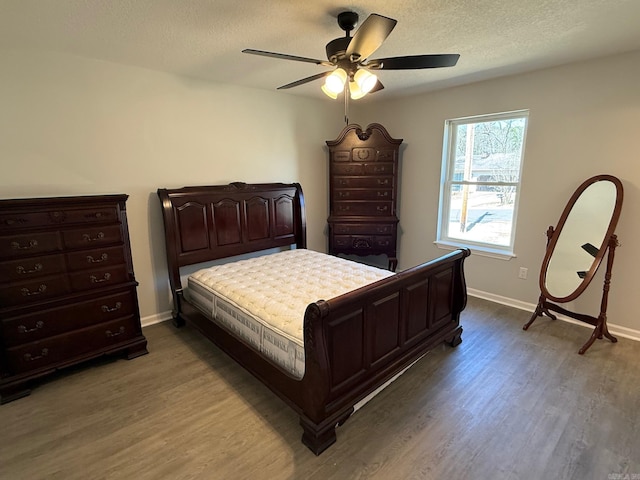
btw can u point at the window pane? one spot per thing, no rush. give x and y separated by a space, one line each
489 151
487 216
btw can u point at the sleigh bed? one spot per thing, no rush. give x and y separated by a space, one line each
350 344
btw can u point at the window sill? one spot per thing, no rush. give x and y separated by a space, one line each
477 250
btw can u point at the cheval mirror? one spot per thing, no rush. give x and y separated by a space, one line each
575 249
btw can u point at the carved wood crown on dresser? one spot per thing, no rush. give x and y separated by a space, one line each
67 287
363 183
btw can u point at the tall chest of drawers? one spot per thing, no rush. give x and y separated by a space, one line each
67 287
363 183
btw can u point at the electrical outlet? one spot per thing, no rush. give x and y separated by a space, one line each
523 273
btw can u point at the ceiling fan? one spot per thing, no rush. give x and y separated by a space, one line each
350 58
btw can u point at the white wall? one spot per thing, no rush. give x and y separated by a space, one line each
74 126
584 120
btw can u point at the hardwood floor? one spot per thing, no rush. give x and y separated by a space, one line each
505 404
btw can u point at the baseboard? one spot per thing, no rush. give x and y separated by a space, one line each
157 318
613 328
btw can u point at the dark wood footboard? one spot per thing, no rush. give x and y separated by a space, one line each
354 343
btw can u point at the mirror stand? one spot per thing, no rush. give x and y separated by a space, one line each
545 307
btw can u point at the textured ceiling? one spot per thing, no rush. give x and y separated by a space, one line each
204 38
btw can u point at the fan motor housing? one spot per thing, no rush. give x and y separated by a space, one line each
336 48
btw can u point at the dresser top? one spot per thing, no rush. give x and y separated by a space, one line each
57 202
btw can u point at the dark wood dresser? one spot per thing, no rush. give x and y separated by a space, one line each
363 183
67 288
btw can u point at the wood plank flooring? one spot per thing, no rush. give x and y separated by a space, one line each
505 404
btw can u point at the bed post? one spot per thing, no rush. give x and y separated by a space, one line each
172 256
300 218
319 431
459 296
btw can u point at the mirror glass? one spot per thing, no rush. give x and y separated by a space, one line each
581 238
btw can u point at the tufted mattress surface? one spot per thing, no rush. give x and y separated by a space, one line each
263 299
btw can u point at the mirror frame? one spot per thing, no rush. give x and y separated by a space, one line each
553 240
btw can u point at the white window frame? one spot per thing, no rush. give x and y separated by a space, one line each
505 252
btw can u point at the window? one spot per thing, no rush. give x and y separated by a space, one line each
480 184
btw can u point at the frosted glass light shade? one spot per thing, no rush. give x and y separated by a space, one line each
335 82
328 93
365 80
355 91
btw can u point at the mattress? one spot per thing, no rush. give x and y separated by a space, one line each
262 300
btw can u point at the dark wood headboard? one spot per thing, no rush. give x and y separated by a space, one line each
212 222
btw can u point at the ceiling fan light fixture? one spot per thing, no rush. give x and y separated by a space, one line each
328 93
355 91
365 80
335 82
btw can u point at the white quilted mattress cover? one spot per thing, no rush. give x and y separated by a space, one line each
263 299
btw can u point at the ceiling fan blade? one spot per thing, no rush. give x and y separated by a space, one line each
413 62
368 38
305 80
284 56
378 86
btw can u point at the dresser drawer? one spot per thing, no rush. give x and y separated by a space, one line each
48 352
364 243
43 324
107 214
98 278
48 218
35 290
379 168
384 155
31 267
363 228
347 168
99 257
363 182
11 221
29 244
370 208
92 237
341 155
362 194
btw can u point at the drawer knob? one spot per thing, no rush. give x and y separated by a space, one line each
23 329
30 358
382 209
19 246
344 208
27 293
115 308
23 271
111 334
104 278
88 238
102 258
383 194
383 181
